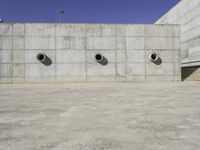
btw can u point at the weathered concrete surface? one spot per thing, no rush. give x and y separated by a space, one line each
132 116
187 14
72 49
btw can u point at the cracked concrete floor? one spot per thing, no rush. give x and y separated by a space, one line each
100 116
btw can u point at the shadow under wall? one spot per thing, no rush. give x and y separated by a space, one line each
186 72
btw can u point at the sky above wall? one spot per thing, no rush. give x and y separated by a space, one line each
85 11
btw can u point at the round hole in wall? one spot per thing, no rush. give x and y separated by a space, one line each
153 57
41 57
98 57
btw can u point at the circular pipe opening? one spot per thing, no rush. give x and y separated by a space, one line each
153 57
41 57
98 57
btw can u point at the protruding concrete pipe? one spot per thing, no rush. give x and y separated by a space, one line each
41 57
99 57
153 57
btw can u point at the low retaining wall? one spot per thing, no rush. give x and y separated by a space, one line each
70 53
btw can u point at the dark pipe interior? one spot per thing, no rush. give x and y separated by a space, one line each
98 57
40 57
153 56
44 59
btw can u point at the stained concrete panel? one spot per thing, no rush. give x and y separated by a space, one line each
177 56
162 69
71 69
6 70
120 43
39 43
101 43
18 70
135 43
62 42
39 70
77 43
95 69
121 56
7 42
159 31
121 69
6 56
68 56
177 70
70 43
18 29
18 42
70 30
159 43
177 30
39 29
135 56
116 30
6 29
136 69
135 30
177 43
95 30
18 56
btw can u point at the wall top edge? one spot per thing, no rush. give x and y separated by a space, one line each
91 24
174 7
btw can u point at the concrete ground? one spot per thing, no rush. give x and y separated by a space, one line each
100 116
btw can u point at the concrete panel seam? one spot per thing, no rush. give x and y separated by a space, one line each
55 40
86 60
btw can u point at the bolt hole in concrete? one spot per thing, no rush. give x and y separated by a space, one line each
44 59
101 59
155 58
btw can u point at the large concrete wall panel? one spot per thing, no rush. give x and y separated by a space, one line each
135 43
40 30
71 50
101 43
68 56
39 43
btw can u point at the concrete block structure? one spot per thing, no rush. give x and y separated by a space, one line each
45 53
187 14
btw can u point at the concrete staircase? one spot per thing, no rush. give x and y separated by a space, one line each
191 74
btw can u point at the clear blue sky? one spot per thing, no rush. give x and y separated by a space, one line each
85 11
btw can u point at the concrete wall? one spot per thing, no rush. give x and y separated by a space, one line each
187 14
72 49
